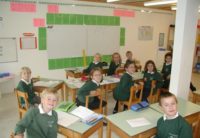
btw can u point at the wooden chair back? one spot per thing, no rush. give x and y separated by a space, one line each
99 95
22 108
153 97
133 99
196 97
119 71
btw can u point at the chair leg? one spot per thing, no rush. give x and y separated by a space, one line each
119 106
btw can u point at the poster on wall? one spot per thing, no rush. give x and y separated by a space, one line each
161 40
145 33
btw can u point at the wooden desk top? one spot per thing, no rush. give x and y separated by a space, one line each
119 120
185 108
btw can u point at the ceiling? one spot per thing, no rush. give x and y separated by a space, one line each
138 3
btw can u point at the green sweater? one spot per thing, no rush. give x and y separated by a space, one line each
22 86
38 125
166 70
85 91
122 91
174 128
91 66
112 68
149 77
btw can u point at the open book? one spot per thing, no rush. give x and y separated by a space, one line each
87 116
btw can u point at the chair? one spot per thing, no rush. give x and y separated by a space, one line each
22 108
196 97
12 135
119 71
99 95
132 99
138 68
153 98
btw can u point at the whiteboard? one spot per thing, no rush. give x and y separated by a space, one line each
69 41
8 50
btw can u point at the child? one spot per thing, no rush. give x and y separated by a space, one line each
166 70
41 121
89 88
150 74
171 125
26 85
129 56
115 63
96 63
122 91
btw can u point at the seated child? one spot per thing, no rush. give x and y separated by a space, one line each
122 91
89 88
171 125
115 63
41 121
150 74
96 63
26 85
129 56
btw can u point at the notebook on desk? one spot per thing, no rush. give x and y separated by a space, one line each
140 106
66 106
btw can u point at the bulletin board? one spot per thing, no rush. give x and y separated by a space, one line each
8 50
69 41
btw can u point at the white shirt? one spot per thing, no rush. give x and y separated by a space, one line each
26 81
42 111
96 82
167 118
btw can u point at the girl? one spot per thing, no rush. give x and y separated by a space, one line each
122 91
150 73
115 63
166 70
89 88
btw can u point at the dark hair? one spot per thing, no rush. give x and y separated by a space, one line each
128 63
166 95
93 70
169 54
150 62
129 52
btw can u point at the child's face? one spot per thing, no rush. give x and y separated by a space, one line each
97 76
131 69
97 58
168 59
150 67
26 75
169 106
116 58
49 102
129 56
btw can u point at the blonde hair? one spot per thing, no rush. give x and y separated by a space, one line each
47 92
25 69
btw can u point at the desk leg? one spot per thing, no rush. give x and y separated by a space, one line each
108 131
65 95
100 132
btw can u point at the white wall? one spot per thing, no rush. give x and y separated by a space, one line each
15 24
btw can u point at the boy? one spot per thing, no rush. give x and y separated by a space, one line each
26 85
171 125
41 121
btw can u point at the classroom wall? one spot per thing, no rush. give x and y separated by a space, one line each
14 24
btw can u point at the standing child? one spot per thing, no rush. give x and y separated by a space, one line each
171 125
166 70
115 63
89 88
122 91
150 74
41 121
96 63
26 85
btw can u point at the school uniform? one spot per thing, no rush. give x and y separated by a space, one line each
38 124
85 91
91 66
176 127
166 71
150 76
112 68
27 87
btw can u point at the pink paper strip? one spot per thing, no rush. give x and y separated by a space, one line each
124 13
39 22
22 7
53 8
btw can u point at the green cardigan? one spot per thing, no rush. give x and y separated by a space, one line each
91 66
122 91
166 70
38 125
85 91
174 128
22 86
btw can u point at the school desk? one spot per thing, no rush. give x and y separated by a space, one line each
190 111
118 123
53 84
81 130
